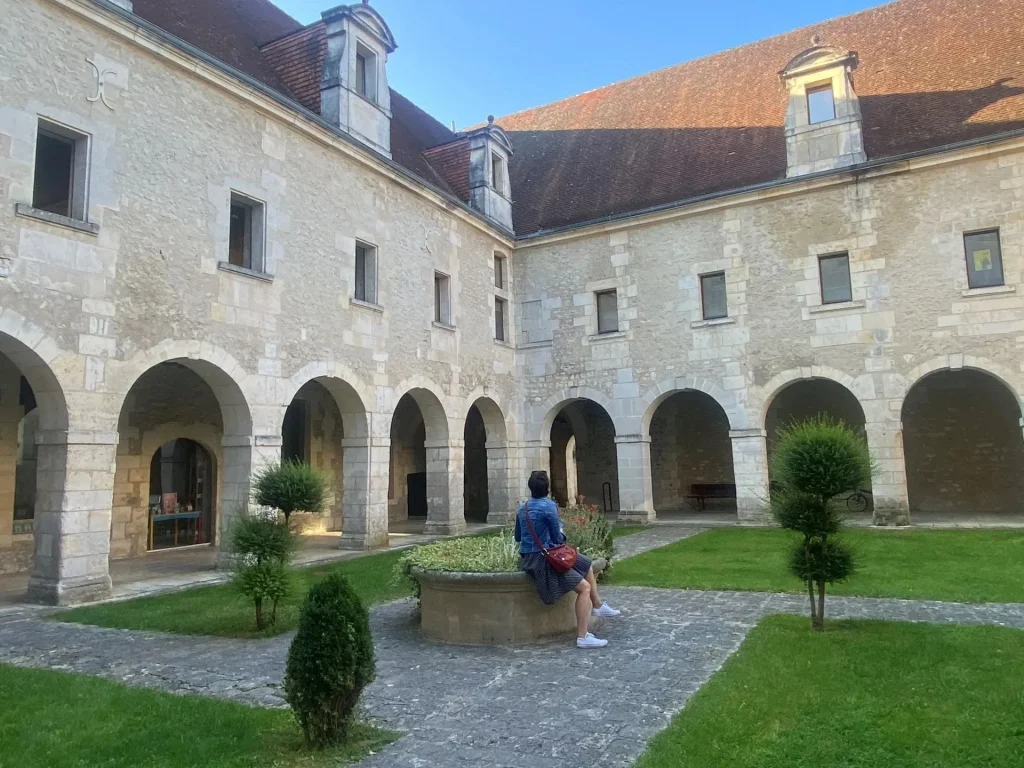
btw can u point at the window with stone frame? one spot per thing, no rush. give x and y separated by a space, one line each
821 104
246 235
713 298
500 319
984 259
497 173
365 288
442 299
607 311
366 73
834 271
61 181
499 271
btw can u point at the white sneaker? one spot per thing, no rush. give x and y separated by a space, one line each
605 610
590 642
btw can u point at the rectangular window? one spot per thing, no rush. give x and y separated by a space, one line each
61 178
442 300
499 271
366 73
821 104
497 173
835 278
500 319
366 273
245 241
984 259
713 296
607 312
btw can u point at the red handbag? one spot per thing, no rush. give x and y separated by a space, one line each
561 558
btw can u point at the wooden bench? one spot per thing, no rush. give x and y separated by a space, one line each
703 491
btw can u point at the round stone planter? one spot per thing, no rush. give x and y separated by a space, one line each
491 608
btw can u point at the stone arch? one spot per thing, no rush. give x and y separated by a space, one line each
222 373
430 399
487 466
539 427
962 362
206 437
346 387
654 397
767 393
961 439
29 541
208 372
573 413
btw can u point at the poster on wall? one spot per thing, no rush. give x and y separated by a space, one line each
169 503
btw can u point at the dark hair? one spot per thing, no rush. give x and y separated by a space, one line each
539 484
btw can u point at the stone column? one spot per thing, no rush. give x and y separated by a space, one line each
242 457
501 509
750 470
365 496
445 503
74 493
10 416
636 493
889 483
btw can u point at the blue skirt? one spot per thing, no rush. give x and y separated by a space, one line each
552 586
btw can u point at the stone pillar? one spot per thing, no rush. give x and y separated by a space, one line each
636 493
501 509
889 483
445 503
72 521
242 457
10 416
750 470
365 496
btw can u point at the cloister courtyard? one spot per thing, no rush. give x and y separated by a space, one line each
711 663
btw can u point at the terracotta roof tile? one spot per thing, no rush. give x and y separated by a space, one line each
932 72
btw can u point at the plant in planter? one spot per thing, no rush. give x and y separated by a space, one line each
814 462
263 548
587 529
291 486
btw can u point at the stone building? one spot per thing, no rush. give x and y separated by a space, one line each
224 240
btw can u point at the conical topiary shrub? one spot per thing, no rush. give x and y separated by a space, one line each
330 661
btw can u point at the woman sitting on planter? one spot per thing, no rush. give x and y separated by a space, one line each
545 534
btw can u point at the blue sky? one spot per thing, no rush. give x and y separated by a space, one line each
464 59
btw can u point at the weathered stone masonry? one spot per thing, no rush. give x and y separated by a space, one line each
131 328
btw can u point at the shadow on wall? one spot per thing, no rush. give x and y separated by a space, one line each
591 173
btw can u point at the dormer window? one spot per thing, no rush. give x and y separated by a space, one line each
366 73
821 104
497 173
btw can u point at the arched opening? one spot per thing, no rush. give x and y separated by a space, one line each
420 487
313 432
807 398
181 495
486 475
963 446
691 455
183 459
30 401
476 485
593 464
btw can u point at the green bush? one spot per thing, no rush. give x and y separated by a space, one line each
263 548
587 529
330 661
291 486
814 462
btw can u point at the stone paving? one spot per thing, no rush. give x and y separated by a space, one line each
540 706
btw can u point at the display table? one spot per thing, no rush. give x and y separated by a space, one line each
174 517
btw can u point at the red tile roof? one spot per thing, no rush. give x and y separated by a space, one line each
932 72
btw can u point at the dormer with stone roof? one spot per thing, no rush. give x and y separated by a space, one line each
354 93
823 119
490 190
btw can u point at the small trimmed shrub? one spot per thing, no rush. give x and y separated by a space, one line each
330 662
291 486
263 549
815 461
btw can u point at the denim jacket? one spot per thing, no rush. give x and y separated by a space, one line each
544 515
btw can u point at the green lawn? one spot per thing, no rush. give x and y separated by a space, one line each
862 695
970 566
55 719
221 610
618 531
